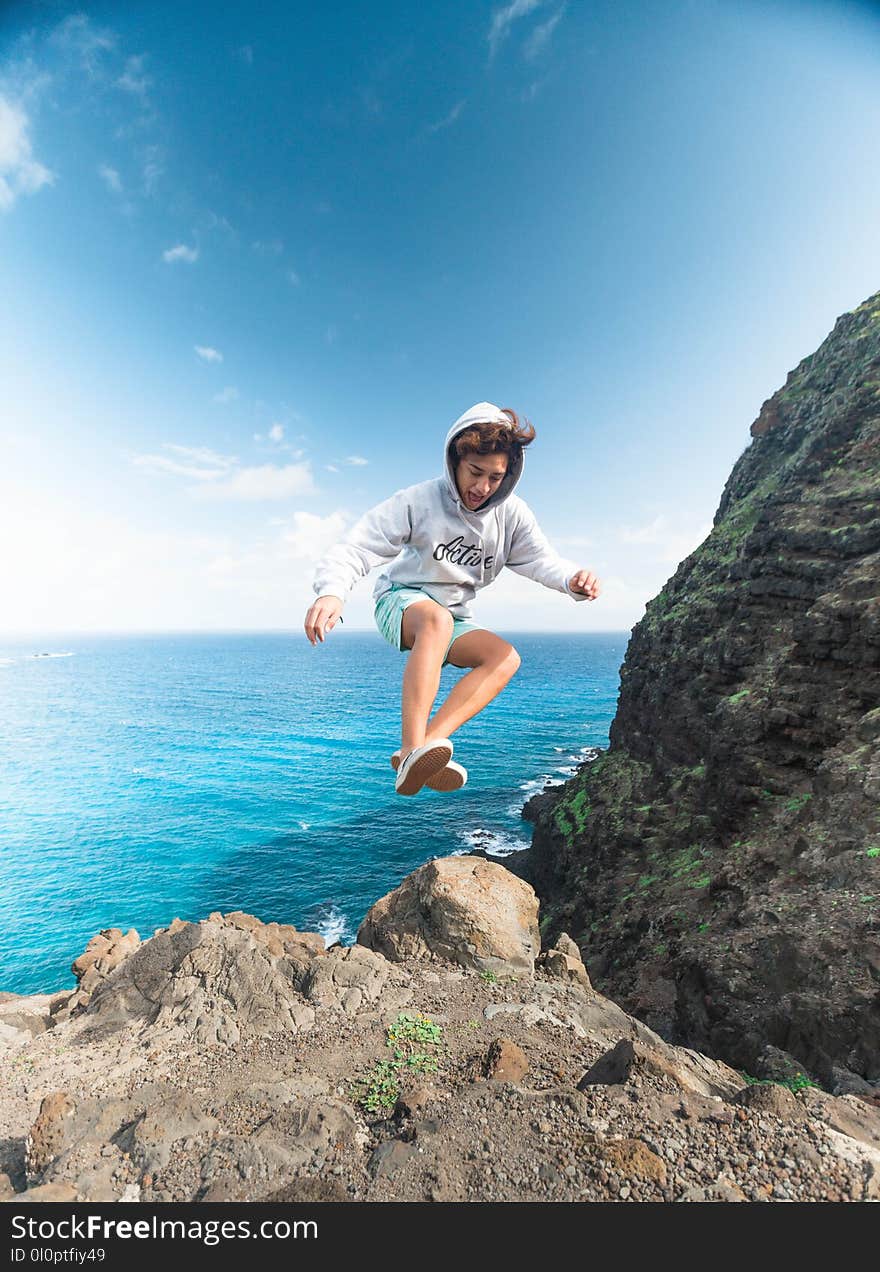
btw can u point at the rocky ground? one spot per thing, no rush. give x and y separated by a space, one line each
444 1057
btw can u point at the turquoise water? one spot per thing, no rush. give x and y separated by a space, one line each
148 777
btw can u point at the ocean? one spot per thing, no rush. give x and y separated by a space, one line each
144 778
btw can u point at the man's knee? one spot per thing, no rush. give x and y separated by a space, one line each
432 620
509 662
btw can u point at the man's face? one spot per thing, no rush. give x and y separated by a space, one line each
479 476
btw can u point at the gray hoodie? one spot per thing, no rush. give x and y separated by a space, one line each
436 543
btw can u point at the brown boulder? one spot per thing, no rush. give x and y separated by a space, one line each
769 1097
564 967
675 1066
464 909
633 1159
505 1061
48 1133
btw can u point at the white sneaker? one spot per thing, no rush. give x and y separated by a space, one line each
451 778
421 763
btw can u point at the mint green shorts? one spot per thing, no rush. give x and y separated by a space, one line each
389 616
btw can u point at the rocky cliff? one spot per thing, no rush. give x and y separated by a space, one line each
720 863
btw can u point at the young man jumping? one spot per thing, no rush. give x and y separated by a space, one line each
445 539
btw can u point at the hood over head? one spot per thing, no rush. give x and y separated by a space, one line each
481 413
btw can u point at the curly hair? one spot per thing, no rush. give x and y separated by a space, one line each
487 439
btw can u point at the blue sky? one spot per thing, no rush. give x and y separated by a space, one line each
256 259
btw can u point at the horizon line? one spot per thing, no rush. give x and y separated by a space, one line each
26 634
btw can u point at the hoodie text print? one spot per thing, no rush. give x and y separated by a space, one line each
435 543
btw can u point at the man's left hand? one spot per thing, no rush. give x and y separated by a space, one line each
585 583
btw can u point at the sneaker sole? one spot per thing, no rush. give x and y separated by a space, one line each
451 778
427 765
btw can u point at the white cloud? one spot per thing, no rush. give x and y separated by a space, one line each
267 577
293 278
503 20
264 482
331 468
268 247
133 80
85 569
670 544
77 37
448 119
215 221
152 158
208 354
203 454
246 53
229 394
356 460
276 432
309 535
649 533
195 462
540 37
20 173
181 253
220 477
330 334
162 464
24 82
110 177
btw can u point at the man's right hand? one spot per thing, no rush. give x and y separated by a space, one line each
322 617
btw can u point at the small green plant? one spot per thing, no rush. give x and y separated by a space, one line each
410 1029
867 900
702 927
874 851
797 802
417 1061
798 1082
379 1090
737 697
489 977
702 882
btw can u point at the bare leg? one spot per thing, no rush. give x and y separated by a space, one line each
494 662
426 629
